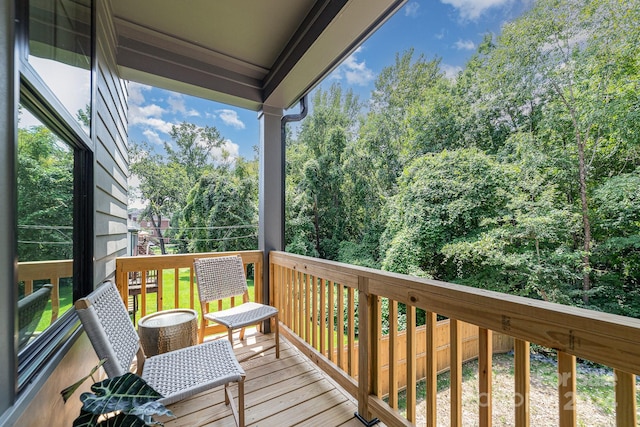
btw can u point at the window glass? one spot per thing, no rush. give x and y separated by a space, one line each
45 227
60 51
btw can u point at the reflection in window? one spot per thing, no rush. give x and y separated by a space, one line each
60 51
45 227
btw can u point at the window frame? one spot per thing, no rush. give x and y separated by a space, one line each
39 99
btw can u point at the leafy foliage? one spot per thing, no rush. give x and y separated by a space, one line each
125 400
45 196
518 175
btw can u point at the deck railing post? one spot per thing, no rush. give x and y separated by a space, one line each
367 359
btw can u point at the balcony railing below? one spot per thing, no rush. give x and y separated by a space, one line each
319 301
335 314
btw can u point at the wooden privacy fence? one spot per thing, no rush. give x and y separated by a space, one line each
317 297
469 338
52 272
137 269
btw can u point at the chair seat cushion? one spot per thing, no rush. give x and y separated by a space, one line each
182 373
243 315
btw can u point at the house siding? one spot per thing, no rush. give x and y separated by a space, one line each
111 167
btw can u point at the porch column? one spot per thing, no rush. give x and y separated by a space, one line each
8 261
271 190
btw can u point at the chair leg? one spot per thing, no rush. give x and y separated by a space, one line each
237 411
203 325
277 331
230 333
242 334
241 402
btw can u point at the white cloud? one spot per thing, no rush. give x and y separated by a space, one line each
411 9
472 9
176 103
356 73
440 35
450 71
136 96
147 116
464 45
230 118
152 136
227 153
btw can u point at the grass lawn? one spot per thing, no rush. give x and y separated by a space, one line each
184 296
168 302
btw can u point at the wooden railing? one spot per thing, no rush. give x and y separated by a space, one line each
319 301
168 293
51 271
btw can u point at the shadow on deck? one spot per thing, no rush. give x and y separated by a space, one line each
290 391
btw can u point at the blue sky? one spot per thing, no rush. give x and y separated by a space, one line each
449 29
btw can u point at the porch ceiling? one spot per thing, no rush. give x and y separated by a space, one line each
244 53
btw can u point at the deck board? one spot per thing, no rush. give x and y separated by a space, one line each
290 391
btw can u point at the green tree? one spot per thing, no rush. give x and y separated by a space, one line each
559 59
45 196
526 248
318 200
162 185
193 148
221 210
163 180
441 197
616 258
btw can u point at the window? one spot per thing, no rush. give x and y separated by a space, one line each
54 175
60 52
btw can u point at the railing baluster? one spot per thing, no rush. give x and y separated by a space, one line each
522 383
567 389
159 299
295 320
332 334
176 287
393 354
340 327
143 293
55 298
314 314
192 286
485 374
323 317
377 336
626 407
351 330
289 296
307 309
431 369
455 372
411 363
366 358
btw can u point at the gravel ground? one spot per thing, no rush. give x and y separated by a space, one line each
543 401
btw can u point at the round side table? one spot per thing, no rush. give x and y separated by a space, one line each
168 330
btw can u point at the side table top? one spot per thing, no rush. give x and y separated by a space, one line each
162 319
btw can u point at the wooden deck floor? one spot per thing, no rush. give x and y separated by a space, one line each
290 391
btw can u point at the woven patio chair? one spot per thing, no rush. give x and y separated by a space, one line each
223 277
177 374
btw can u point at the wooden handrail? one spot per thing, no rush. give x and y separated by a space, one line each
608 339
